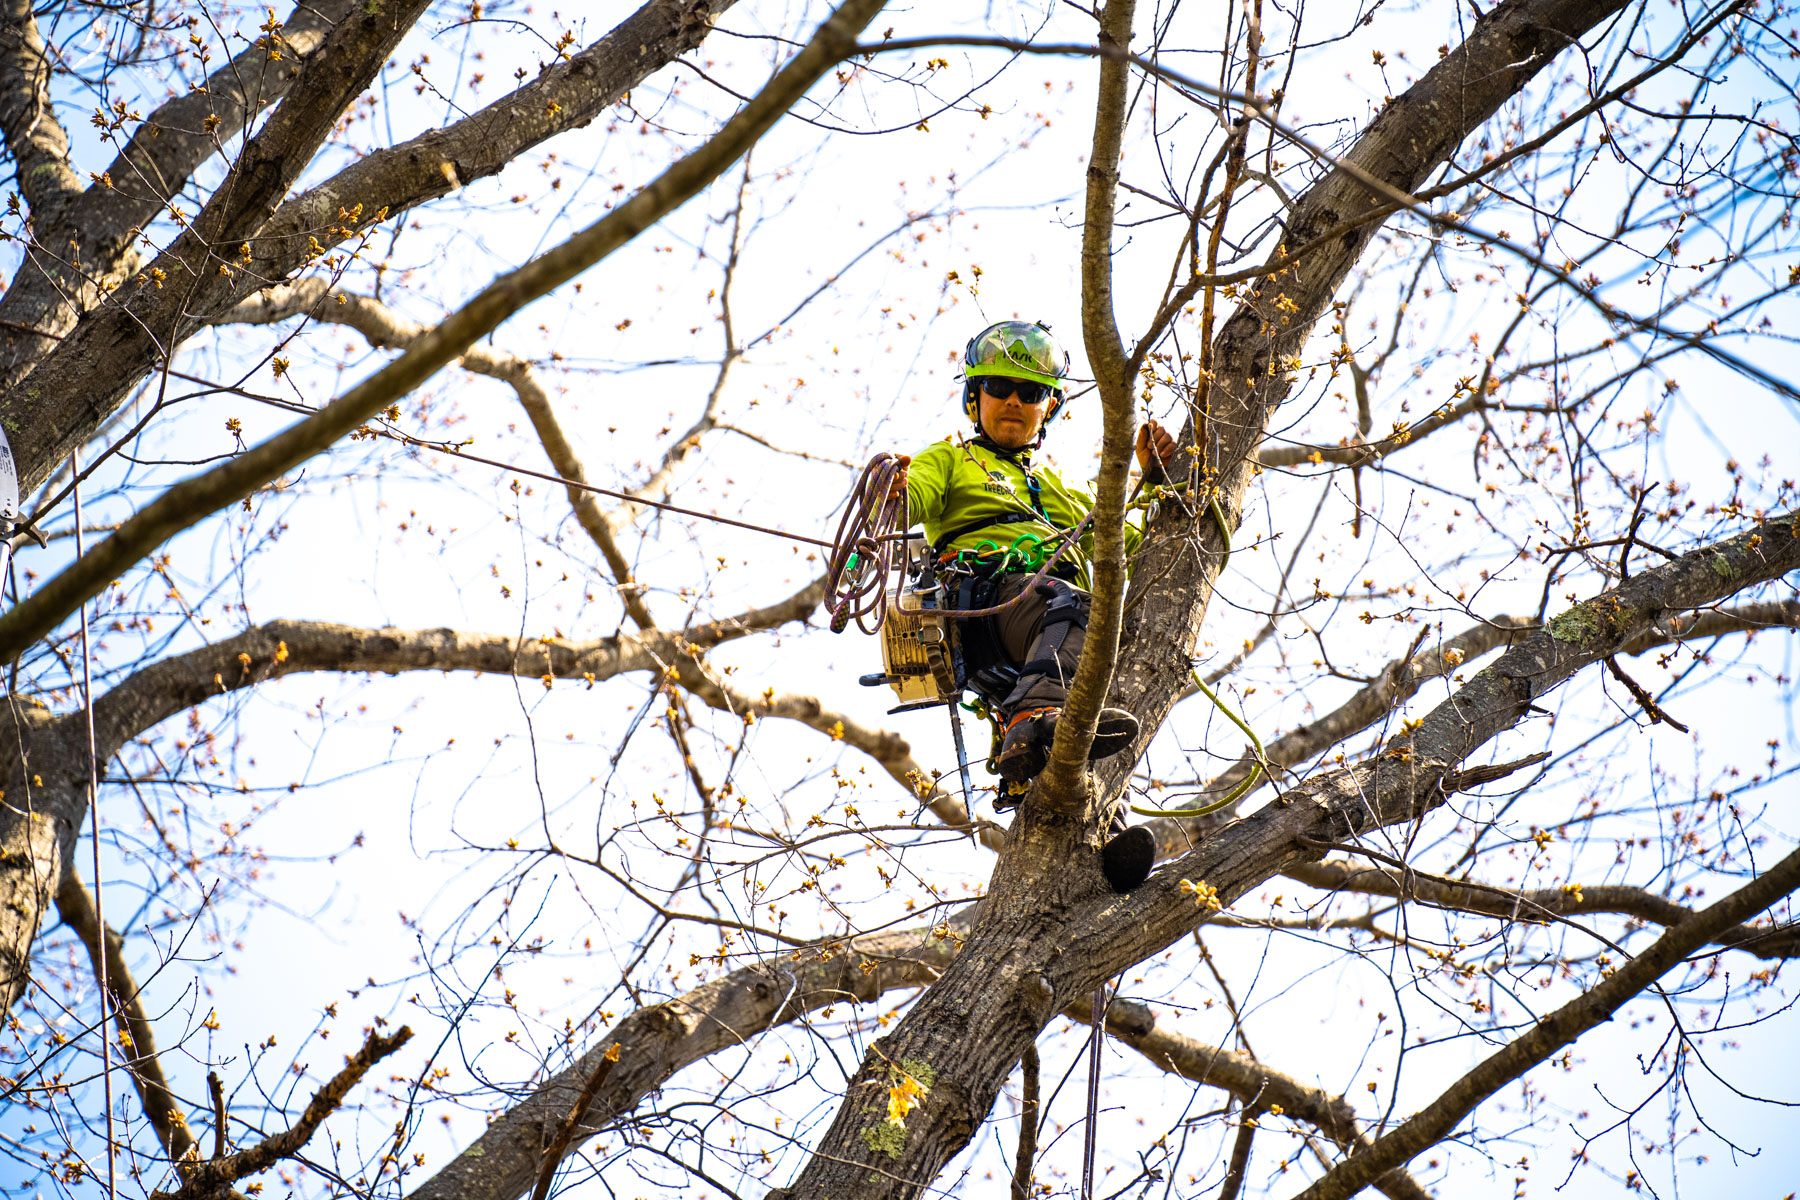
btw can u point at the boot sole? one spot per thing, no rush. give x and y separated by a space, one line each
1127 859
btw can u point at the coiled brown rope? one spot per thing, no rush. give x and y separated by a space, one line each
863 553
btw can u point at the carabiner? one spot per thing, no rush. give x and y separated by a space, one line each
1029 559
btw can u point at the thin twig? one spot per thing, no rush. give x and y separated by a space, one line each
1638 693
214 1177
559 1145
1028 1125
216 1086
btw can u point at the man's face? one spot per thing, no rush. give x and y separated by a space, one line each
1011 422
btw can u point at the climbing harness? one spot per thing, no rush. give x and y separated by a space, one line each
862 561
923 655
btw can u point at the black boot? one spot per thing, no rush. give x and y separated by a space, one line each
1023 753
1114 732
1127 859
1026 748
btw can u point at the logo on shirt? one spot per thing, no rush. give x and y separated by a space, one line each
996 488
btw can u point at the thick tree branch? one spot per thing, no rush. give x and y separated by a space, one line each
1063 781
85 248
279 648
1400 680
34 137
1409 778
1396 683
566 95
1438 1119
83 379
188 502
165 1112
1717 622
1519 904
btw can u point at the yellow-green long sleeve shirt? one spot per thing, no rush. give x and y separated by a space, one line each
952 485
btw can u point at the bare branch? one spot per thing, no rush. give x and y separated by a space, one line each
887 748
384 329
1395 684
1718 622
565 96
280 648
1028 1126
161 1106
1400 680
189 502
85 247
214 1177
1245 1077
1519 904
102 358
1063 780
1439 1118
1363 454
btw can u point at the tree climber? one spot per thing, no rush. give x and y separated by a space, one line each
980 495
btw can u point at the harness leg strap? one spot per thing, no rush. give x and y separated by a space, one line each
1051 664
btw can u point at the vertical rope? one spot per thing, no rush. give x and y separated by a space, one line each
1096 1035
93 798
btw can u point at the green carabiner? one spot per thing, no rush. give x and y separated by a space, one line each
1029 559
983 549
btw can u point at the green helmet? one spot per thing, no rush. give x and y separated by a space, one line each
1015 350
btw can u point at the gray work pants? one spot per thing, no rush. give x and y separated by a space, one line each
1041 635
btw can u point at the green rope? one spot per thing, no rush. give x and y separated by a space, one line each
1260 770
1151 494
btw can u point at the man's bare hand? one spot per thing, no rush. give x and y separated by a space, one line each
1154 445
899 485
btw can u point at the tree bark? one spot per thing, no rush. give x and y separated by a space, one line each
92 369
1050 932
84 238
77 384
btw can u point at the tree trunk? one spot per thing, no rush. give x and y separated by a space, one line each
1050 930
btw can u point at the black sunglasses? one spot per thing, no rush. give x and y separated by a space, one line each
1001 388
